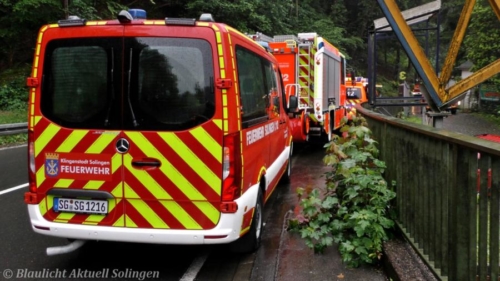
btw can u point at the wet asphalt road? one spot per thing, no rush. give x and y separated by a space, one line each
470 124
22 252
283 255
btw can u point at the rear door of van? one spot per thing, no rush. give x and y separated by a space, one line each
172 168
75 122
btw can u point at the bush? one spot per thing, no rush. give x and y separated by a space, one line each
352 210
14 95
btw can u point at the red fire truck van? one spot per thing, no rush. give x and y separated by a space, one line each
167 131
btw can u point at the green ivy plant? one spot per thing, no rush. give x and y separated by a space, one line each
353 208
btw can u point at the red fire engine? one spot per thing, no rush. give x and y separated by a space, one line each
314 73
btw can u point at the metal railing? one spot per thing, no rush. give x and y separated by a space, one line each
448 195
13 129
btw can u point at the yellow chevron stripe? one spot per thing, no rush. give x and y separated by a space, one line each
93 184
167 168
101 143
64 217
43 206
40 175
146 179
181 215
129 222
196 163
203 137
63 183
144 209
121 221
37 119
50 202
71 141
45 137
218 123
209 210
118 191
116 162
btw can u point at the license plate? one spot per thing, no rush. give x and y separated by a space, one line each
80 206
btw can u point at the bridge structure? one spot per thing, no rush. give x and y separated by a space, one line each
434 87
447 184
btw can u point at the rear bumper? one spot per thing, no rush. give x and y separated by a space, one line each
227 230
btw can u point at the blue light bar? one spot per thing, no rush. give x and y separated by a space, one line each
137 13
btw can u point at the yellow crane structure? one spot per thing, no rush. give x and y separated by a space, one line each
434 86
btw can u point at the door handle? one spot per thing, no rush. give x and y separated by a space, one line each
146 163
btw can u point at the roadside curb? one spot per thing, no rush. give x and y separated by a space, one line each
401 262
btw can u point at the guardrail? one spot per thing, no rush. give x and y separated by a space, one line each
13 129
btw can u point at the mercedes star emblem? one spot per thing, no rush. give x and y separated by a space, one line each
122 145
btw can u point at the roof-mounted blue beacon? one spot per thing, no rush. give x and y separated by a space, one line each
137 13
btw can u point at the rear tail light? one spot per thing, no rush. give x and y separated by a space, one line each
31 196
231 171
31 161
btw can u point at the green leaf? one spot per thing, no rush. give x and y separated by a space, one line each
363 223
348 247
361 251
327 241
324 217
329 202
359 231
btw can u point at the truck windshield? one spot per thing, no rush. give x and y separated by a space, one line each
353 93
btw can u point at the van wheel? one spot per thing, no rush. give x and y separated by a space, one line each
250 242
285 178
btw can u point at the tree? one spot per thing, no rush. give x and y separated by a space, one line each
482 42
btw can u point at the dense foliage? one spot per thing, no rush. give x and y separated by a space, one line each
345 23
352 209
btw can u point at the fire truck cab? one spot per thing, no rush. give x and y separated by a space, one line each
356 90
167 131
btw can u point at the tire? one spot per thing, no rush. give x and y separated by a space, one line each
250 242
285 178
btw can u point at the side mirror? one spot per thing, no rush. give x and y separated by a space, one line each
293 103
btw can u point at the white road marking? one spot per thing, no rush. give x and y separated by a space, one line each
194 268
11 147
13 188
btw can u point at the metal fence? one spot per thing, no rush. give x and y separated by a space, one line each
448 195
13 129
